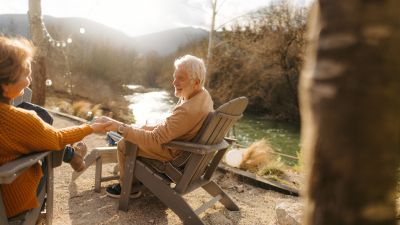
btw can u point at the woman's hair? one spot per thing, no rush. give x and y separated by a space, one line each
15 53
194 66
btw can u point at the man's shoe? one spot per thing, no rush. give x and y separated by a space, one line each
77 162
114 191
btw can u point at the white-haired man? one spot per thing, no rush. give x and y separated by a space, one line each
183 124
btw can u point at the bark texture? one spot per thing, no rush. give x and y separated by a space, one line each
350 110
38 35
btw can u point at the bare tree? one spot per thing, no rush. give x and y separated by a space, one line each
214 11
37 29
350 114
212 28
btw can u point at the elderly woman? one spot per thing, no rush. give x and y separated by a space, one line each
23 131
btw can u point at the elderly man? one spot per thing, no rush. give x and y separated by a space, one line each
183 124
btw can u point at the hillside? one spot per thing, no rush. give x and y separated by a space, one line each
165 42
102 58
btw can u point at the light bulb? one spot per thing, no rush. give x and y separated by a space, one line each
48 82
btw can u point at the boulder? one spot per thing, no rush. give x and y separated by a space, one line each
289 213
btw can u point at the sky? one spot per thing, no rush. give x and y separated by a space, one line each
138 17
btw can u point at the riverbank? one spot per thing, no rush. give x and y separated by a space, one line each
150 105
76 202
86 108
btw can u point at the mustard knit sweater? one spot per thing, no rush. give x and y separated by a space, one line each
23 132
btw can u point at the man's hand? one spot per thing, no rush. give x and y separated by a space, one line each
100 127
112 125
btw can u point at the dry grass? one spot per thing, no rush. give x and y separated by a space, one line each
255 156
82 109
86 109
258 158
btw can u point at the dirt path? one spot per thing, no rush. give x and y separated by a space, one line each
76 202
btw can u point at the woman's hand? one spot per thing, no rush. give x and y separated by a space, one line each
112 125
100 127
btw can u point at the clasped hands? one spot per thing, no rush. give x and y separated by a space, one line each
104 124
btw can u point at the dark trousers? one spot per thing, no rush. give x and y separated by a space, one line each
46 117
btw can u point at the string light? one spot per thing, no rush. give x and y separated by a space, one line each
48 82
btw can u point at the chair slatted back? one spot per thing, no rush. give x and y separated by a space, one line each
222 121
213 131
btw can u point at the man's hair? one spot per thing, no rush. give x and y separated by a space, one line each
14 55
194 66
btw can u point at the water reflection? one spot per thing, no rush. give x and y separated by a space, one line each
152 107
283 137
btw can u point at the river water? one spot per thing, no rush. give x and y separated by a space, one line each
152 107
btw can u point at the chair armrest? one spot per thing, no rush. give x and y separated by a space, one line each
230 140
196 148
11 170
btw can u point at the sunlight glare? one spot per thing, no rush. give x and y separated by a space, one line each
149 108
141 16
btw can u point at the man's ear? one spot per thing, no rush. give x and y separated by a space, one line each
197 82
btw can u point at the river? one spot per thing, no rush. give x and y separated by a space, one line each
152 107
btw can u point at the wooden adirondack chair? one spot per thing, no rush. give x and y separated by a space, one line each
193 169
11 170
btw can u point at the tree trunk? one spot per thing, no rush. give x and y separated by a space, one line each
210 39
37 31
350 114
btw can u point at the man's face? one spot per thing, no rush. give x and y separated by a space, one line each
184 87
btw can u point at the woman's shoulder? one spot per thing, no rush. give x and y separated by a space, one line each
18 114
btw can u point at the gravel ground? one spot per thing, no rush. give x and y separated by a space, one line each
76 202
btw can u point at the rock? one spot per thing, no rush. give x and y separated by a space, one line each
239 188
219 219
288 213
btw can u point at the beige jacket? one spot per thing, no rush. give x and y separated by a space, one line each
183 124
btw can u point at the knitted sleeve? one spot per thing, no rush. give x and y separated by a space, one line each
37 135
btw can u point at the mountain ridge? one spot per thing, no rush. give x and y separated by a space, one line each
163 42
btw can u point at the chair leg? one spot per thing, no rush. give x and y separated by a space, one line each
97 180
50 190
167 195
130 160
3 216
213 189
